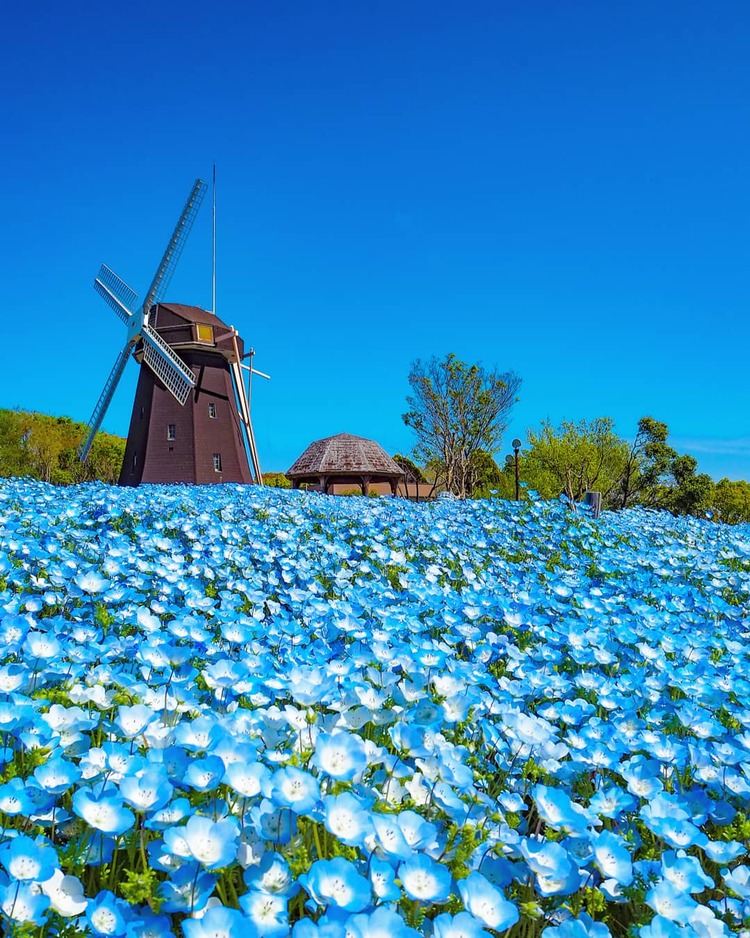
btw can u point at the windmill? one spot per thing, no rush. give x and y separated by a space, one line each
191 406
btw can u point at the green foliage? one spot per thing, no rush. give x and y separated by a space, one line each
276 480
487 477
578 457
730 501
457 410
44 447
140 887
657 476
573 459
411 470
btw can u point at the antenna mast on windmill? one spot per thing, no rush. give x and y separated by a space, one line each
187 416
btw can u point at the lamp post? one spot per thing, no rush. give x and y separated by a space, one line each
516 444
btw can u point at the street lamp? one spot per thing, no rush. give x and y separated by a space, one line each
516 444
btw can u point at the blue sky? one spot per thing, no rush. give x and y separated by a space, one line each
560 189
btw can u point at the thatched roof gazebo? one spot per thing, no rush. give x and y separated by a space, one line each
345 459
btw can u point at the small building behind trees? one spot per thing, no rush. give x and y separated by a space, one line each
339 463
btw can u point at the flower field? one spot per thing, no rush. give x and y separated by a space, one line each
231 712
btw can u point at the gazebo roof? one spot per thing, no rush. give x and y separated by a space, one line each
345 454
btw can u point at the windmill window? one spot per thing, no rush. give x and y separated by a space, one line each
212 411
217 462
171 431
204 333
135 460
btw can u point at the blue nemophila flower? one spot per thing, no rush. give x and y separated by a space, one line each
581 927
271 875
220 922
171 814
57 775
290 787
188 889
267 913
307 928
40 646
212 843
425 879
418 832
132 721
389 836
738 880
558 810
613 857
555 873
27 860
721 851
247 779
91 582
22 902
463 925
383 880
669 901
661 927
337 883
685 871
341 755
108 915
382 923
487 903
148 790
103 809
274 824
148 924
204 774
346 818
14 799
65 894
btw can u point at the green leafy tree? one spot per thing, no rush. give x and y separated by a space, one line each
657 476
46 447
572 459
731 501
410 469
276 480
456 410
487 477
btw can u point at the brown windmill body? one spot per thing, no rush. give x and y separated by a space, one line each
201 440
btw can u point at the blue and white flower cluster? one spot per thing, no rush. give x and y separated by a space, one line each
238 712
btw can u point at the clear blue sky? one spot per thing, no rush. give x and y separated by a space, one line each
561 189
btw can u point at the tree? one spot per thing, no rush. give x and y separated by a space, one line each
573 459
731 501
457 409
648 464
486 475
46 447
657 476
411 470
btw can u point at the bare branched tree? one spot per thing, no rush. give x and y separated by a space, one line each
456 410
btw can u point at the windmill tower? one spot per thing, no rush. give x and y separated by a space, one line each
191 406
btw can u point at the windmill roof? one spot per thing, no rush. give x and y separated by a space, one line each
343 454
193 313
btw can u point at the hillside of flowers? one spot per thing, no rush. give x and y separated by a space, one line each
230 712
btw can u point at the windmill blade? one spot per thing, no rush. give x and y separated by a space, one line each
167 365
105 398
176 243
116 293
244 411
